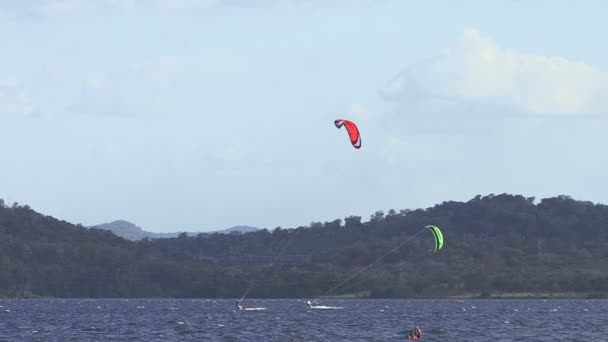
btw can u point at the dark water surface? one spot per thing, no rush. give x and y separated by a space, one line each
292 320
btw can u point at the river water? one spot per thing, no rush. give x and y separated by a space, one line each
483 320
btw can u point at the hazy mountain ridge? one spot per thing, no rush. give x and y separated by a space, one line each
131 231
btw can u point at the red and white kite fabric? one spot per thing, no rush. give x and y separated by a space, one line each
351 129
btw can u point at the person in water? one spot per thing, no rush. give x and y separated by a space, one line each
416 333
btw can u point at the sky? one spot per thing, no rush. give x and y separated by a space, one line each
199 115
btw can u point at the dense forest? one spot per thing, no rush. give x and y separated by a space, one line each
495 245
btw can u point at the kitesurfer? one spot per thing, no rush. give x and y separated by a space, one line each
416 333
309 304
239 306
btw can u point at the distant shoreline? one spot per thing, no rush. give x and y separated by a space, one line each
538 295
515 295
479 295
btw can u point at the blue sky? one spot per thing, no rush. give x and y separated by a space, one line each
203 114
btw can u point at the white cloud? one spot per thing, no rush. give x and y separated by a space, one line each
479 72
122 4
96 82
15 101
79 7
233 153
303 3
73 7
359 112
176 67
395 148
63 7
155 86
186 4
118 94
6 18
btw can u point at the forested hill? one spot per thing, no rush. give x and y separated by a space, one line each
43 256
493 245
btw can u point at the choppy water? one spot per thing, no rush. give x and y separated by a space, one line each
291 320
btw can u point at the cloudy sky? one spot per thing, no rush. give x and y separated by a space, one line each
204 114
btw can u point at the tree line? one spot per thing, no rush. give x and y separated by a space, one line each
494 245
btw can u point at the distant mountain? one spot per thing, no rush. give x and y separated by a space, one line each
241 229
124 229
132 232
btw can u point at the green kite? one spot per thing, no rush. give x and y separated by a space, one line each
438 236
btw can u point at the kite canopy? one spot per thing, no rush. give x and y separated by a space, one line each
438 236
352 130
